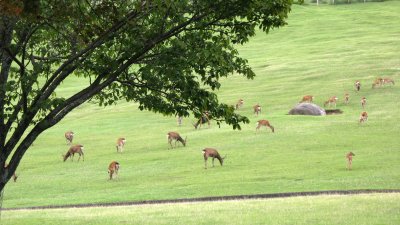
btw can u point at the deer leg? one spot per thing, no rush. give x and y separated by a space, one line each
213 161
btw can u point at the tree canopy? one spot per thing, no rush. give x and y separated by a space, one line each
166 55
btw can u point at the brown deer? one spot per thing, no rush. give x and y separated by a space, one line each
120 144
211 152
331 101
346 98
257 109
69 135
239 104
205 118
357 85
175 136
363 102
71 152
363 117
387 81
264 123
349 157
307 98
113 169
14 175
378 82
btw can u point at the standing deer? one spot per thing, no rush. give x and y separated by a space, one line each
363 117
377 82
387 81
205 118
257 109
264 123
179 120
239 104
175 136
307 98
14 175
349 157
120 144
113 169
363 102
72 150
69 135
211 152
331 101
357 85
346 98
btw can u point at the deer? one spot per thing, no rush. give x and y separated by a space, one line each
387 81
307 98
363 102
14 175
349 157
346 98
179 120
264 123
175 136
211 152
357 85
71 153
205 118
331 100
113 169
120 144
257 109
69 135
239 104
377 82
363 117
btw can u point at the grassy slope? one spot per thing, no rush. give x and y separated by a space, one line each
343 210
321 52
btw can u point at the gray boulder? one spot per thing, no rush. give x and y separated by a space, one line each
307 109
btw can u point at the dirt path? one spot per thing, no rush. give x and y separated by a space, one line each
212 199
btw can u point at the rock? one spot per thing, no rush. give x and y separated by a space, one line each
307 109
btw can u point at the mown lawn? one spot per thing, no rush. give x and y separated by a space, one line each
340 210
322 52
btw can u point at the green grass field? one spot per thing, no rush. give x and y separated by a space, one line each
340 210
322 52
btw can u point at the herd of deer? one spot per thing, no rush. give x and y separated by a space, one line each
205 118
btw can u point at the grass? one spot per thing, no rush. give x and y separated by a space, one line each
352 209
322 52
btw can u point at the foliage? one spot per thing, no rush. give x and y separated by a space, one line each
166 55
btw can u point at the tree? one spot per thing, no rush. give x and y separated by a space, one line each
166 55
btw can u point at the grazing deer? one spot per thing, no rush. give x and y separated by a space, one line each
377 82
113 169
346 98
349 157
175 136
363 102
387 81
357 85
211 152
257 109
239 104
205 118
14 175
307 98
72 150
120 144
363 117
331 100
264 123
69 135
